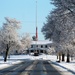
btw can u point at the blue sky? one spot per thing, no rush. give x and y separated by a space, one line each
25 11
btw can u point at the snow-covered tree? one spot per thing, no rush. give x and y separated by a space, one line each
8 35
51 50
60 25
65 4
26 41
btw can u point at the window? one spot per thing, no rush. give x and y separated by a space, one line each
45 46
41 46
31 46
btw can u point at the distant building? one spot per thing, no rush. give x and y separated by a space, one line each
40 46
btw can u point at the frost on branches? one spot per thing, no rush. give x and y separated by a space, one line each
60 27
9 38
26 42
8 35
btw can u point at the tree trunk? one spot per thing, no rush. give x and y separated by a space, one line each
68 57
72 57
63 55
6 54
57 56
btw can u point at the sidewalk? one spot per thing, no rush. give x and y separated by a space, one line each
64 68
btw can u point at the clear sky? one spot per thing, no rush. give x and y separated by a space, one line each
25 11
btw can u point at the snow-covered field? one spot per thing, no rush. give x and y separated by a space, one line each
14 59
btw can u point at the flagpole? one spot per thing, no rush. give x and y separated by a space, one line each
36 13
36 23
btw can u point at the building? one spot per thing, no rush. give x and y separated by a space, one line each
40 46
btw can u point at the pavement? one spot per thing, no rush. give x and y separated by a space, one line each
36 67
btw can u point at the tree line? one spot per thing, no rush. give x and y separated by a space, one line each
60 28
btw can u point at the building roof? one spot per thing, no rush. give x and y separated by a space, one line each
40 42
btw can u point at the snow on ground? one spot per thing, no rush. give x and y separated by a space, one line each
14 59
8 63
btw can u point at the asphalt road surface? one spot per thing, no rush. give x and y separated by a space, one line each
35 67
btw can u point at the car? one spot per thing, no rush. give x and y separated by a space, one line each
36 54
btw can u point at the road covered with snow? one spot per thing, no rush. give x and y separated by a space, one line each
42 65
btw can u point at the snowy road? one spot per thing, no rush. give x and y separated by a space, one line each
34 67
